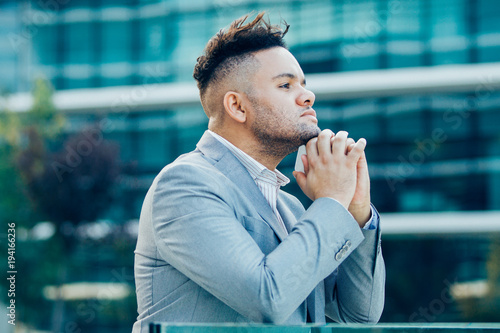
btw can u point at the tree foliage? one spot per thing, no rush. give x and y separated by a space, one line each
47 174
79 176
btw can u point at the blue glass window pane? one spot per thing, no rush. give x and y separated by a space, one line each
489 54
73 83
153 139
448 18
193 34
75 3
404 53
444 58
115 81
78 42
489 126
354 63
488 13
404 19
45 45
361 20
324 27
158 38
489 24
116 45
405 125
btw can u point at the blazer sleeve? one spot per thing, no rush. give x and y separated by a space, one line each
197 231
356 291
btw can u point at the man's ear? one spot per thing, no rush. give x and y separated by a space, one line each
233 105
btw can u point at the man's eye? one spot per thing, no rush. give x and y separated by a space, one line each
285 85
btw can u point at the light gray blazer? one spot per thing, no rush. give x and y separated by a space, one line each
210 249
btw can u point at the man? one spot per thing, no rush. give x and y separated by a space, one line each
220 242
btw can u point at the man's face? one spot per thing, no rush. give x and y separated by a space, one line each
282 117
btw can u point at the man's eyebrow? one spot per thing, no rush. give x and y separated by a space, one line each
288 75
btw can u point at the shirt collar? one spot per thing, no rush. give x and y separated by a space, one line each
256 169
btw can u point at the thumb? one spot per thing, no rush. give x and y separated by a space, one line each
305 162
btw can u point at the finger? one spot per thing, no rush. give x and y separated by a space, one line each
349 142
312 148
362 165
357 150
301 179
324 145
331 141
329 131
339 144
349 148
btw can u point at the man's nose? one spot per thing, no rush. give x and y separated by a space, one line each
306 98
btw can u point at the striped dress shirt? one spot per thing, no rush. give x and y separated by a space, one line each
268 182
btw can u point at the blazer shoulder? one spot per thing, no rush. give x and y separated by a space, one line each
190 162
191 170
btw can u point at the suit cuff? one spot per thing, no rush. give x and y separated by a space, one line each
373 221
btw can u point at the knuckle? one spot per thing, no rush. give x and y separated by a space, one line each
342 133
324 134
329 132
325 159
312 163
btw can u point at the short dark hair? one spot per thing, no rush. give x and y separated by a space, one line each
238 40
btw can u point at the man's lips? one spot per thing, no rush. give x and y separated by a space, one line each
309 113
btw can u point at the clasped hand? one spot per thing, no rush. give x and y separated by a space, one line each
335 166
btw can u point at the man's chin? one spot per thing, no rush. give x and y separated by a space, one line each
309 134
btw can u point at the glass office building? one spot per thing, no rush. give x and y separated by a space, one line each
10 58
419 79
82 44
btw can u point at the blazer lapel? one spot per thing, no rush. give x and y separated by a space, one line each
232 168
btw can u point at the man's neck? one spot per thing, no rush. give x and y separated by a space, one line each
252 147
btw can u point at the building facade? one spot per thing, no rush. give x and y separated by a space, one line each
430 150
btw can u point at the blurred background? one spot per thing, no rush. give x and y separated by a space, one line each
97 96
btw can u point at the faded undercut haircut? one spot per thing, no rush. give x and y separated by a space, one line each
229 47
